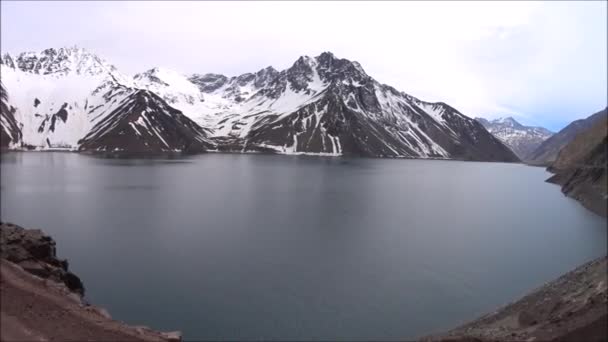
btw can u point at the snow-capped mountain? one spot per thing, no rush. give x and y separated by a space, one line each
60 98
142 122
523 140
323 105
61 62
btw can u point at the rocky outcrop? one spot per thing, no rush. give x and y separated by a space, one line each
10 132
43 301
36 309
581 167
35 252
570 308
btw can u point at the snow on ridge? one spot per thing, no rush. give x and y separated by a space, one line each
40 97
61 62
228 107
435 111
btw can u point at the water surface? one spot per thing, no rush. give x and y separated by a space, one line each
250 247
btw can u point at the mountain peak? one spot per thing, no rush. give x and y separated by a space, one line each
508 119
326 55
209 82
268 69
168 83
305 60
523 140
60 62
359 67
158 71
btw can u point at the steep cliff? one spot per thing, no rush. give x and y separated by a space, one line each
580 167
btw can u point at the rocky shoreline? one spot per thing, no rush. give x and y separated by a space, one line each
35 252
584 184
573 307
43 301
581 165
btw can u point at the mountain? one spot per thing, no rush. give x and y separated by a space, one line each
546 153
143 122
580 166
70 98
522 140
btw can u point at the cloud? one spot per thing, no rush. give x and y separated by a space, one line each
544 62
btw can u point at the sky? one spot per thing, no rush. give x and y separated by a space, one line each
544 63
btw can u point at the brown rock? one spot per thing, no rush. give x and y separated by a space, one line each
35 252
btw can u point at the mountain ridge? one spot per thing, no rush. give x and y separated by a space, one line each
547 152
522 140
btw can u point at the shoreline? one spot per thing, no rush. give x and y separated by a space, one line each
39 305
572 307
124 154
43 301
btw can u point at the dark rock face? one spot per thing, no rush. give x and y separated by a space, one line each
143 122
62 114
581 167
35 252
8 61
10 132
209 82
264 77
547 152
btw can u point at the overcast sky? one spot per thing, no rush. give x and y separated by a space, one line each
544 63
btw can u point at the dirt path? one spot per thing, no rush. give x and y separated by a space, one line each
33 309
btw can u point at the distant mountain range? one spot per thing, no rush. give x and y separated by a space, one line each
523 140
69 98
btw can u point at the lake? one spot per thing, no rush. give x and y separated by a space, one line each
251 247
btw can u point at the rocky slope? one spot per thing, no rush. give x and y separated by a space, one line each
143 122
547 152
10 132
35 252
573 307
42 301
522 140
70 98
581 167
